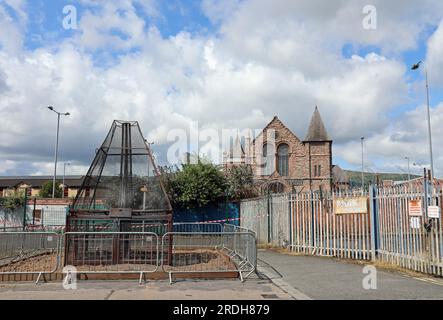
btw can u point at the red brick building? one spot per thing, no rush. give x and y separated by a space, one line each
281 162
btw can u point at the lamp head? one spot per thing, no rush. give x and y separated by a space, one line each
51 108
416 66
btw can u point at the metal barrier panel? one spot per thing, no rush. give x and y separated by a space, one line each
211 252
197 227
229 228
112 252
29 252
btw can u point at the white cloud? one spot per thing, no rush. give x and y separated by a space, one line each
407 136
280 58
435 56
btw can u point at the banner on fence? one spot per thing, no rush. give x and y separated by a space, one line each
415 208
351 205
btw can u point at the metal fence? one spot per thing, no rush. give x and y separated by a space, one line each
110 252
315 229
197 227
214 252
29 253
413 245
306 223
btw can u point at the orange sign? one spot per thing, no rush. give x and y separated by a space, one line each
415 208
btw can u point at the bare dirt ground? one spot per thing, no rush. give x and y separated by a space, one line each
38 263
183 260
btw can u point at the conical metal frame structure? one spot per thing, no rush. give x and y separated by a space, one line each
123 175
122 192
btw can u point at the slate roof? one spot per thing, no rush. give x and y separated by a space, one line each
317 130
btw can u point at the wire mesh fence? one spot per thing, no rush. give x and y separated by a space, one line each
112 252
29 252
200 252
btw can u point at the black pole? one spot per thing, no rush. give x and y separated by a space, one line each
24 210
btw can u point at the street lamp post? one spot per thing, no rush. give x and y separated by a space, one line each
362 165
415 67
64 174
56 147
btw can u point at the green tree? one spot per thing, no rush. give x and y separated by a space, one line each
240 180
13 201
46 191
195 185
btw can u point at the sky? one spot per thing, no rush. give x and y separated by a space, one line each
230 64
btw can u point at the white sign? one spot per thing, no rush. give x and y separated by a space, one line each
434 212
350 205
415 222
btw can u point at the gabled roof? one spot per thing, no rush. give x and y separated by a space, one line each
317 130
275 120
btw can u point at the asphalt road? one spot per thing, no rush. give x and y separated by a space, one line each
326 278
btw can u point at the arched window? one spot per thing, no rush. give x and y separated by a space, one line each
269 159
283 160
276 187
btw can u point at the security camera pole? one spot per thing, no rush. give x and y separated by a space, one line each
56 147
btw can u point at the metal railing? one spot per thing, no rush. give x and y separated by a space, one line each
130 252
210 252
388 231
29 253
197 227
112 252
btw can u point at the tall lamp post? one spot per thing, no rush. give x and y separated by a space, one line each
416 67
362 165
56 146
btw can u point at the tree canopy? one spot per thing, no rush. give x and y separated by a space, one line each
197 185
13 201
46 190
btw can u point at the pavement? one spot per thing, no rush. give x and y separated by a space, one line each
280 277
331 279
252 289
